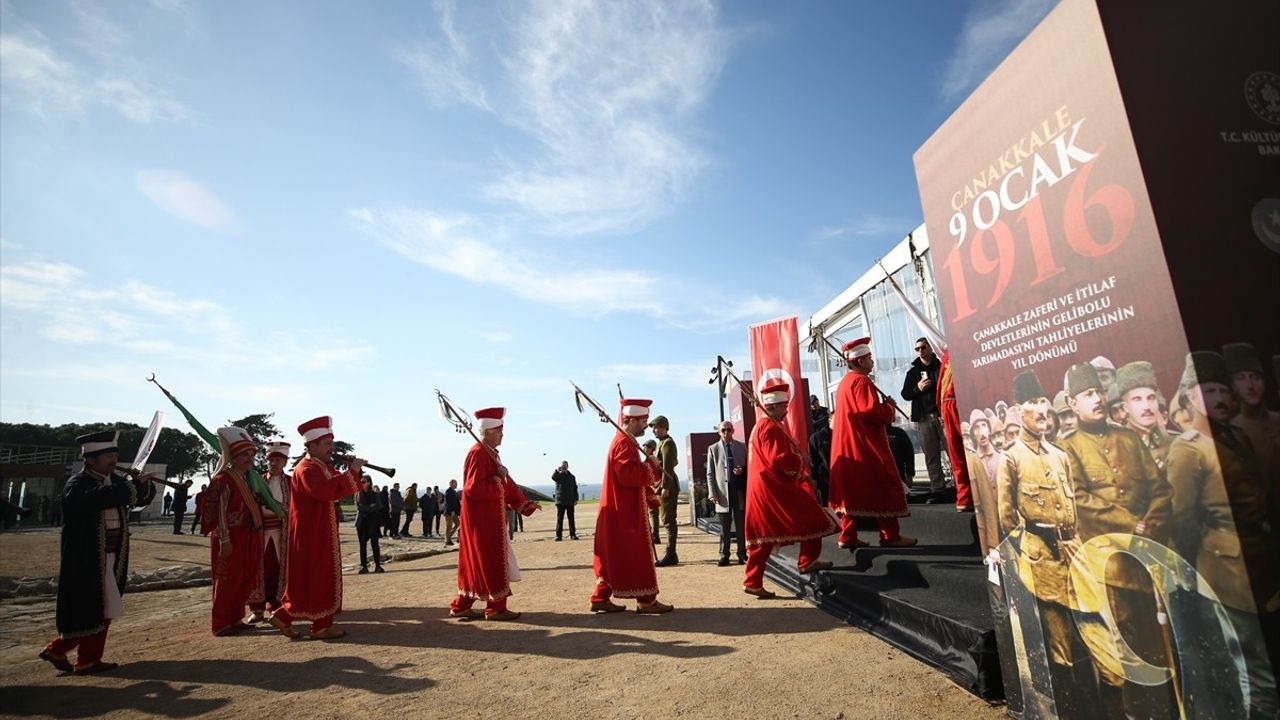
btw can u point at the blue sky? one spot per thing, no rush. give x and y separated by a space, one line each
333 208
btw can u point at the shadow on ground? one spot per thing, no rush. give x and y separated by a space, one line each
430 628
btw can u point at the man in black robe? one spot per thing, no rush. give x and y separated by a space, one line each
95 553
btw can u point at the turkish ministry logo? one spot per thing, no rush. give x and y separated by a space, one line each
1266 223
1262 91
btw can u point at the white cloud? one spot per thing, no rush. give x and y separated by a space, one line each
442 67
607 91
184 197
33 75
867 226
46 82
458 245
991 29
143 320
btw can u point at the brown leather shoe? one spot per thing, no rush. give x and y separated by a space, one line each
654 608
759 592
608 606
284 628
329 633
468 614
857 543
504 616
816 566
903 541
61 662
255 618
96 667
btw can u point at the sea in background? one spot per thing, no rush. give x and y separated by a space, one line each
586 491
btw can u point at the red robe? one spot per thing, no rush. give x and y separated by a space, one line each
955 438
482 537
313 575
231 519
623 550
782 507
864 478
271 577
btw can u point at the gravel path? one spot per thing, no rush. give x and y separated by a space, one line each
721 652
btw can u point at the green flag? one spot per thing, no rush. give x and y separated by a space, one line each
256 483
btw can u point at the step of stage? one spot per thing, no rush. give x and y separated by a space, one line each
930 600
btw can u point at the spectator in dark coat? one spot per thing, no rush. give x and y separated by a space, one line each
369 524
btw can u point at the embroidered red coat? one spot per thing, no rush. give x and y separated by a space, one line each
235 545
782 507
623 550
313 575
482 537
864 478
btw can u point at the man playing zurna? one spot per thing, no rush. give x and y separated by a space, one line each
864 477
623 559
486 562
95 554
313 576
782 502
270 588
233 522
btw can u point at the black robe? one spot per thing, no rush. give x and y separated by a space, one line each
84 551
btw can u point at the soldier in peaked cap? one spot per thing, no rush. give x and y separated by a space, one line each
669 489
1250 386
1225 514
95 553
1037 507
1140 393
1118 489
233 521
275 541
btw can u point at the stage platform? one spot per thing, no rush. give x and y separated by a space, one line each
930 601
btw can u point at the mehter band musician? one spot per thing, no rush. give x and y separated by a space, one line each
233 522
486 563
864 476
313 577
270 590
782 502
95 554
623 559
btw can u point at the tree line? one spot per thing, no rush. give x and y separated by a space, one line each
183 453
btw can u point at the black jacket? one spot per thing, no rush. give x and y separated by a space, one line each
566 488
922 403
80 589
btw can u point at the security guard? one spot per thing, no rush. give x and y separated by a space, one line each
1119 489
670 489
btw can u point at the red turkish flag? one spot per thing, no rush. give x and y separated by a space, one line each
775 354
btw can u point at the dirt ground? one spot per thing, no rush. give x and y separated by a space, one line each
721 652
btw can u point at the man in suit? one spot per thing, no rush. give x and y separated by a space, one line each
727 484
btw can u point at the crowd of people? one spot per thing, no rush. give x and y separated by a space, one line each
1050 470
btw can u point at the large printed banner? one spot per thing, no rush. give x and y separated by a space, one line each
1100 212
775 354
